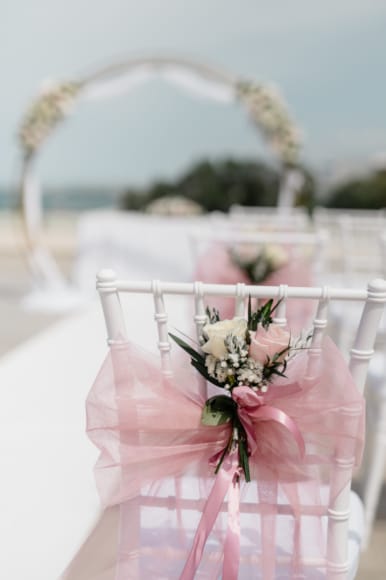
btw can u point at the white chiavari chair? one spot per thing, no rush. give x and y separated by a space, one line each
373 470
343 519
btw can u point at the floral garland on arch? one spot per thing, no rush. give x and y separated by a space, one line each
264 103
269 112
240 354
52 106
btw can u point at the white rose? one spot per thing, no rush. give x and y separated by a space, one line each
247 252
275 255
218 332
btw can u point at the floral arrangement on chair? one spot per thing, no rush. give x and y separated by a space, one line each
236 355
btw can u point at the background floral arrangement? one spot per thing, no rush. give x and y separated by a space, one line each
174 205
258 263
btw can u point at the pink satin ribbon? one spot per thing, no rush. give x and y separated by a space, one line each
251 409
227 478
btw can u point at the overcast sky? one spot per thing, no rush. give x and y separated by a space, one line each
327 57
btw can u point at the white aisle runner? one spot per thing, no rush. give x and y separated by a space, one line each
48 500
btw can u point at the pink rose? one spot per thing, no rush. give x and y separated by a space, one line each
267 343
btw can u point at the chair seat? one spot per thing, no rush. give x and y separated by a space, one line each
152 520
100 545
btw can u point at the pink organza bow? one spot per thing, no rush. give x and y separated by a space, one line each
155 462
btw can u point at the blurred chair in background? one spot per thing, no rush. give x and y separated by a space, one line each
373 470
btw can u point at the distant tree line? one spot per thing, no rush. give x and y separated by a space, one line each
218 185
368 192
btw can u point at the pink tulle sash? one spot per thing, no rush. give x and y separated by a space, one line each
156 462
217 267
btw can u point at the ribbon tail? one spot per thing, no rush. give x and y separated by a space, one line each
209 515
268 501
232 541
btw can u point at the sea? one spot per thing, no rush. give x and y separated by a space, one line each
68 199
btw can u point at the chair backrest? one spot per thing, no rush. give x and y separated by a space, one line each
373 300
270 218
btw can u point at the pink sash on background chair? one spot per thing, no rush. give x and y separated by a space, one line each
217 267
156 463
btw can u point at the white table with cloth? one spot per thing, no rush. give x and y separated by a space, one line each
138 246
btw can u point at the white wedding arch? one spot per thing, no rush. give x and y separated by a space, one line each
262 102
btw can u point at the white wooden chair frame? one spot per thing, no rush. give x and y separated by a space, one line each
375 455
373 299
290 217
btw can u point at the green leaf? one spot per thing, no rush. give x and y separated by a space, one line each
201 368
223 454
243 458
249 310
212 314
187 348
276 305
276 372
262 316
218 410
280 353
